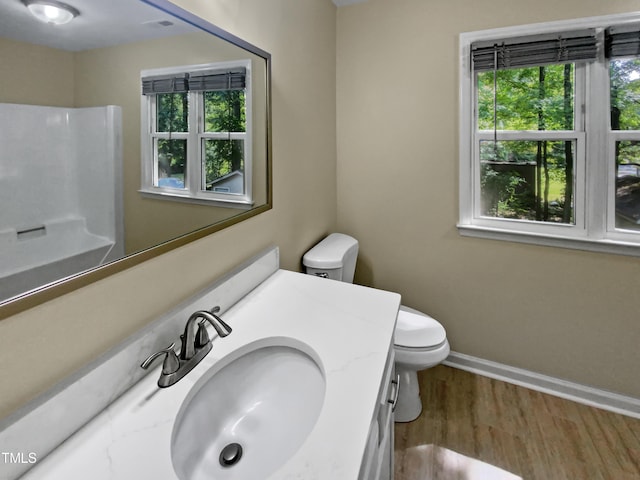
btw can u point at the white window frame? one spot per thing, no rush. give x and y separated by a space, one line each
193 191
594 193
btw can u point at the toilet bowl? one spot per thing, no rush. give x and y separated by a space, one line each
420 342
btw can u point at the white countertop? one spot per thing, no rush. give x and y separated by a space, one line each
347 329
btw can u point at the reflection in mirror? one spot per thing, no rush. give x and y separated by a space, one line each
85 174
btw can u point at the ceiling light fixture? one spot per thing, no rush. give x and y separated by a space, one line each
51 11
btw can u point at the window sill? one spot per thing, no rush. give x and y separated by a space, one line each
587 244
241 204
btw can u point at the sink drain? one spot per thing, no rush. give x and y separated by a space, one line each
231 454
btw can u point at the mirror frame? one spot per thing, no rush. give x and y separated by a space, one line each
66 285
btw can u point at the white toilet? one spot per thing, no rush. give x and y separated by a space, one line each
420 341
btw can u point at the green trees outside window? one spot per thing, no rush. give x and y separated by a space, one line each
224 116
534 179
625 116
196 133
625 94
172 117
224 112
527 179
549 144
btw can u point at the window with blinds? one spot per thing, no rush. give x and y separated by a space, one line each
199 80
196 132
550 134
623 54
528 129
535 50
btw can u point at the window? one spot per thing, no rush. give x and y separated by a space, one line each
196 133
624 139
550 134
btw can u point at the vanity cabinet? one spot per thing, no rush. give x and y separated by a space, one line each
132 436
377 462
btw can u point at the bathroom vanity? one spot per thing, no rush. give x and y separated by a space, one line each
377 461
304 384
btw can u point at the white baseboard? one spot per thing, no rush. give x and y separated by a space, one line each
553 386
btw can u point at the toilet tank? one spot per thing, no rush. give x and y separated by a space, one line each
334 257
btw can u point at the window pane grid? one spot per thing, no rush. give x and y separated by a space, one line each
528 180
220 117
170 163
506 127
624 196
223 165
624 159
533 98
224 111
625 93
171 113
196 139
526 145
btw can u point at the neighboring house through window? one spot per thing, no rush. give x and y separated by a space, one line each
196 133
550 134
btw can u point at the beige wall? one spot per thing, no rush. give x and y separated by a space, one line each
487 294
42 345
564 313
35 75
111 76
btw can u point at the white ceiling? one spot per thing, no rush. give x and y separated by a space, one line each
101 23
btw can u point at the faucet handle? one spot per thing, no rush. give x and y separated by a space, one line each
171 362
202 337
222 328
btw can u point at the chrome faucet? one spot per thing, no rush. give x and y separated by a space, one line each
192 341
195 346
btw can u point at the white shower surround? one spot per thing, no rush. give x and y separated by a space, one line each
60 191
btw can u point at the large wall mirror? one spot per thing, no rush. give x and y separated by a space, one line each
96 172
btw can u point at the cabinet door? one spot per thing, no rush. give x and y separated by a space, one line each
377 462
387 423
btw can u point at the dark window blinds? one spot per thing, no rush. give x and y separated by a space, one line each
535 50
208 80
165 84
623 41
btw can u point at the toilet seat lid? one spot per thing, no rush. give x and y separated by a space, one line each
418 330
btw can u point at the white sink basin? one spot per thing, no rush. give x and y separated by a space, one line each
267 401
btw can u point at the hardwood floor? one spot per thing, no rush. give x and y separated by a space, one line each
477 428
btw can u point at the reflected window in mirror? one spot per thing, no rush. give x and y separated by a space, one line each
117 41
196 131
